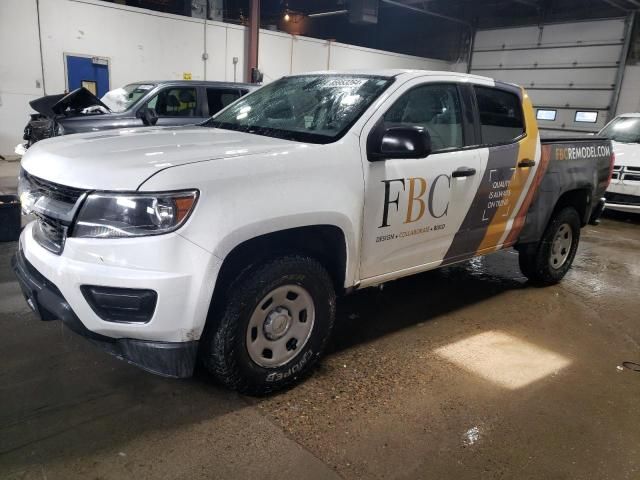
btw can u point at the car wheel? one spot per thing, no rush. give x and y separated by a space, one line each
548 261
274 326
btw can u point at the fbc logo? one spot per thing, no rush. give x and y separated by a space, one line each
420 198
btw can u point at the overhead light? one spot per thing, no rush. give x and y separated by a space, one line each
287 17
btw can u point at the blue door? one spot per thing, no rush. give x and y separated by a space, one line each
91 73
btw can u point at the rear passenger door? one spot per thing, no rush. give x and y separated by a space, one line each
415 206
509 158
219 98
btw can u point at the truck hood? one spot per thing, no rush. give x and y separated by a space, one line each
76 101
627 154
124 159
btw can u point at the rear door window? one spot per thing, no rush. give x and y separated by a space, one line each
501 118
219 98
175 102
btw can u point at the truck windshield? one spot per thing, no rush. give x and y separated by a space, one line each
623 129
123 98
307 108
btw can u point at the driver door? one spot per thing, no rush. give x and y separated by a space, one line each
415 206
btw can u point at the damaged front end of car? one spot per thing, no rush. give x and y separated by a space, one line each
51 109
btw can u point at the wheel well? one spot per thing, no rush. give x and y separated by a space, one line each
578 199
325 243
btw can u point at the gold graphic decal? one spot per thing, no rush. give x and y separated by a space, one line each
416 198
512 191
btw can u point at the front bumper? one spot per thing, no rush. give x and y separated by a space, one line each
182 274
171 359
623 202
619 207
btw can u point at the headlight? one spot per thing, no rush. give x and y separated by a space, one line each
114 215
27 199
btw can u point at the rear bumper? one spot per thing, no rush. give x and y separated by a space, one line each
170 359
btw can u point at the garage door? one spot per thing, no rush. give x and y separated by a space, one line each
569 69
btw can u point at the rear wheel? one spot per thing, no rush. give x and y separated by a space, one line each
548 261
274 326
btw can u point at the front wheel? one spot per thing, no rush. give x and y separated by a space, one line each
548 261
274 326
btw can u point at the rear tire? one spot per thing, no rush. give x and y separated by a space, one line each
274 326
548 261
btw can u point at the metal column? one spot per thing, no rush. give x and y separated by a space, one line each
254 29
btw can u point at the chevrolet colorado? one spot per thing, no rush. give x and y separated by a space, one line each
229 241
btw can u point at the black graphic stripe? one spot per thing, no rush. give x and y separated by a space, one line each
474 227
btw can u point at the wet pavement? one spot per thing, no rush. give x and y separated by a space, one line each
464 372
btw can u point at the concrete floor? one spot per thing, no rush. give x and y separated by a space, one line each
465 372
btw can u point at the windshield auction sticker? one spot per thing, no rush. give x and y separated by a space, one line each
346 82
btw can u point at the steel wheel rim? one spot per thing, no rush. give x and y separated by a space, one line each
561 246
280 326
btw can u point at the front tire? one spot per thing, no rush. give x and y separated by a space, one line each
274 326
548 261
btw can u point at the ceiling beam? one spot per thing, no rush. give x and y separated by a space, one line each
426 12
615 5
529 3
413 2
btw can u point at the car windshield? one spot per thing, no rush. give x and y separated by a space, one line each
307 108
623 129
123 98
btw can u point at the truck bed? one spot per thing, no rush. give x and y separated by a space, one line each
569 167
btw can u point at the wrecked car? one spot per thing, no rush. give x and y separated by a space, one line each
166 103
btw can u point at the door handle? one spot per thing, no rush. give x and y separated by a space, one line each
526 163
463 172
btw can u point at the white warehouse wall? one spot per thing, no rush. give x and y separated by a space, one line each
145 45
281 54
140 44
20 70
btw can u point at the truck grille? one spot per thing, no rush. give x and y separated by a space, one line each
629 174
53 190
54 207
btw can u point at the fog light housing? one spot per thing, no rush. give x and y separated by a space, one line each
121 305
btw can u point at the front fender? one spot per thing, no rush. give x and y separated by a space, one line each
278 224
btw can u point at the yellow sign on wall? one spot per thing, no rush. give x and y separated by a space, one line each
186 75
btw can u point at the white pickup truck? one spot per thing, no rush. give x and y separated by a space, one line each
229 241
623 193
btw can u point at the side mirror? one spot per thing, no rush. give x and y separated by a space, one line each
398 142
148 115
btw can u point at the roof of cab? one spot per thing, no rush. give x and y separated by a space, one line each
395 72
207 83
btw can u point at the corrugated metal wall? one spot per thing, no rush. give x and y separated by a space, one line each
567 68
